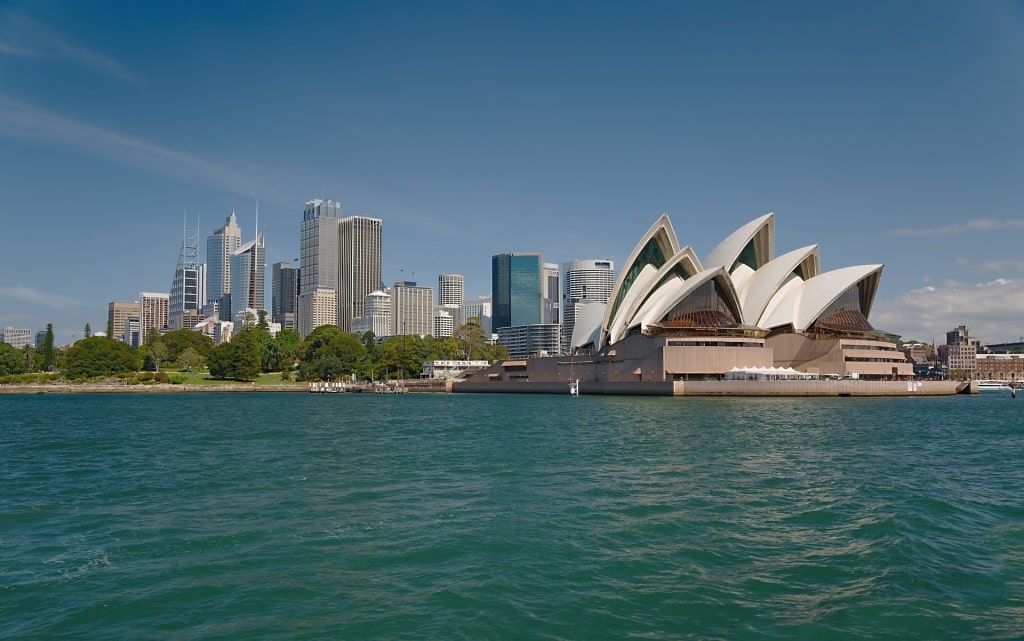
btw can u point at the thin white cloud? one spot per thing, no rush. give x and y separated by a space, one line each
993 311
28 121
37 297
25 37
970 226
1002 265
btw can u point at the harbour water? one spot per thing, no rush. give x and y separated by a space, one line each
349 516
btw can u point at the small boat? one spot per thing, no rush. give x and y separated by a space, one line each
994 386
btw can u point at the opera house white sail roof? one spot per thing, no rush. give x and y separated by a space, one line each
740 285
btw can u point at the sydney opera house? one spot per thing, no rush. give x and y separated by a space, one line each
742 321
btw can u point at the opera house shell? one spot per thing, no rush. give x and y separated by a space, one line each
676 324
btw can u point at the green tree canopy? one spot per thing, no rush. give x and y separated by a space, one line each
238 360
327 344
12 360
181 339
99 356
47 352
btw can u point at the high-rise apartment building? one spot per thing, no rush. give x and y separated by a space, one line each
961 350
444 320
219 247
359 271
318 264
153 313
412 309
583 282
248 274
284 295
517 289
117 313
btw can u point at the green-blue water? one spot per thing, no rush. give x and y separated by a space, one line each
295 516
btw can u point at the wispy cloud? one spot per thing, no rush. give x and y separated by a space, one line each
993 310
23 120
969 226
22 36
36 297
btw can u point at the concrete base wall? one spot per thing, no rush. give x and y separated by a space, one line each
728 388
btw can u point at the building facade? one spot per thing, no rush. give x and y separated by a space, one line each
451 290
16 338
248 276
412 309
376 315
359 260
550 310
318 264
154 309
284 295
480 309
583 282
530 340
517 289
961 351
117 313
219 247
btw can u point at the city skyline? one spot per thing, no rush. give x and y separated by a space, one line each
887 133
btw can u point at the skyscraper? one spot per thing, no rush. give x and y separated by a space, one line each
219 247
184 305
412 309
517 289
480 309
359 255
118 312
318 265
583 281
248 279
451 289
284 295
549 311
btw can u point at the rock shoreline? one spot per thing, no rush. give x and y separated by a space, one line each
154 388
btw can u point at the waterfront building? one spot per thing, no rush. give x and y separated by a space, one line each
451 368
318 264
583 282
530 340
412 309
376 315
480 309
673 319
1000 367
154 309
248 273
961 351
359 259
220 245
284 295
517 289
16 338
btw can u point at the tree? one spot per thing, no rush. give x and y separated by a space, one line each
181 339
157 353
99 356
49 355
12 361
327 344
238 360
188 359
87 332
28 353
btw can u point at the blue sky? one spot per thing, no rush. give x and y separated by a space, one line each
885 132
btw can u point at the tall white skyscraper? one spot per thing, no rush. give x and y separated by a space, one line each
549 276
583 281
451 289
318 265
219 247
359 255
480 309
